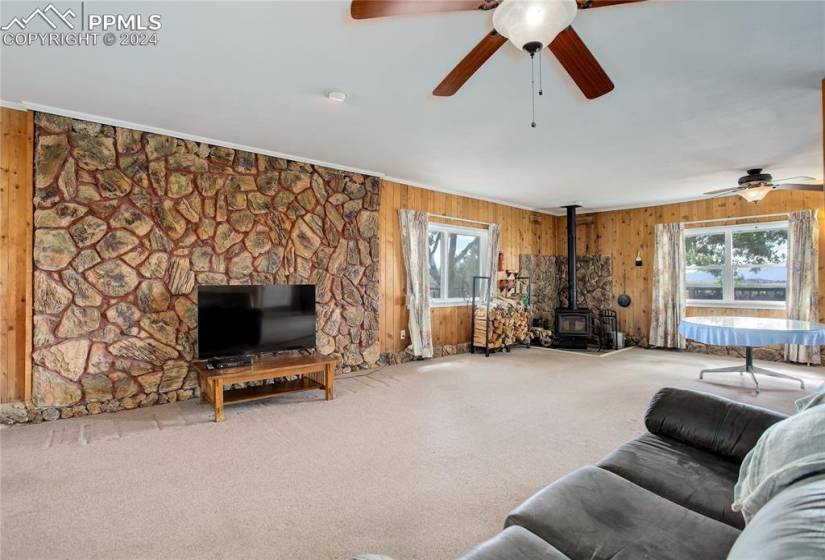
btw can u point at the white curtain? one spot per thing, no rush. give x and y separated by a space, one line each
414 247
493 243
668 306
803 279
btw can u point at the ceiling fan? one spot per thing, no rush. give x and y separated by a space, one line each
530 25
755 186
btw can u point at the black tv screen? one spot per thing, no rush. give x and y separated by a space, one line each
235 320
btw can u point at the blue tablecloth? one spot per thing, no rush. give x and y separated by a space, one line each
751 331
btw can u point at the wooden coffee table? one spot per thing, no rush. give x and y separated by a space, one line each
314 372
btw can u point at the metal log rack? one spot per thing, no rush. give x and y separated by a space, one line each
478 293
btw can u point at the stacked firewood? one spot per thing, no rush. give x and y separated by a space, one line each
508 322
542 337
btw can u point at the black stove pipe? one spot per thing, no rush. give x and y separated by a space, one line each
571 256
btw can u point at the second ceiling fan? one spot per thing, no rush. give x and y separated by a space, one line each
530 25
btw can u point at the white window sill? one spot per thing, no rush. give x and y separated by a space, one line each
773 305
450 303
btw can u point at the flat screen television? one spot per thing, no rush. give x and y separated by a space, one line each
238 320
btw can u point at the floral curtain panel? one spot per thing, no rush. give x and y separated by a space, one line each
493 241
668 306
414 247
803 279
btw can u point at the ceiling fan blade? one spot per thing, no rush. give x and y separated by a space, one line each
577 59
587 4
798 187
720 191
797 178
366 9
469 64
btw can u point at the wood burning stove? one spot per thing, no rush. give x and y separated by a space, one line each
574 324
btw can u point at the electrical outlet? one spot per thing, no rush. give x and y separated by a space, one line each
403 334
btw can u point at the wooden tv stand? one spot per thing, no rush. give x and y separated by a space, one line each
314 372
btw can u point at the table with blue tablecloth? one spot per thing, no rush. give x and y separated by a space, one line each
751 332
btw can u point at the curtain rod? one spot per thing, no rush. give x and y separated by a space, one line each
445 217
777 215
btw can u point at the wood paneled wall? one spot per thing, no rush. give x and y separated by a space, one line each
522 231
623 233
620 234
16 130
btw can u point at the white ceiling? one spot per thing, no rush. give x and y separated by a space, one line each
703 90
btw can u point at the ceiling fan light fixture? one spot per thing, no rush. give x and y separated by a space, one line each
533 24
755 194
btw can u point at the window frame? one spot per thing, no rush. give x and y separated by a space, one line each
446 230
727 266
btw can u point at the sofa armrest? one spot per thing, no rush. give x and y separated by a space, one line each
722 426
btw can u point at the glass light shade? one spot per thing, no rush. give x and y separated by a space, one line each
755 194
533 21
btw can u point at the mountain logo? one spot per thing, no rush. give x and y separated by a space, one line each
44 14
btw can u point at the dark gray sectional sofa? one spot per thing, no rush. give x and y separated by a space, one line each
665 495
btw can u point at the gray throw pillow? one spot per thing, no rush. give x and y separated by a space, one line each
787 452
815 398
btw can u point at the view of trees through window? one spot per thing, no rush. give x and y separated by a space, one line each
463 260
454 258
434 259
732 264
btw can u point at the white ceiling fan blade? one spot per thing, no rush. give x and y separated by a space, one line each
798 187
725 193
798 178
728 190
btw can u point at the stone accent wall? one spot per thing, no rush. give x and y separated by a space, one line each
127 224
775 353
594 276
543 271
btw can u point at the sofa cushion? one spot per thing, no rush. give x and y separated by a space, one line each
595 514
514 543
790 525
716 424
687 475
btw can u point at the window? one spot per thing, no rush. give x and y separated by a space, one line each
455 255
737 266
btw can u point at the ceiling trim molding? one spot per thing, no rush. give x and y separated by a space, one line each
186 136
699 198
465 194
12 105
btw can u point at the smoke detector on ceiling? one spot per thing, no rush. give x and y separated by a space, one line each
336 95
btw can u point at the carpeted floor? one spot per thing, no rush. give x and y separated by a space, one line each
418 461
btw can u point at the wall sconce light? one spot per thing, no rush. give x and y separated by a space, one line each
638 258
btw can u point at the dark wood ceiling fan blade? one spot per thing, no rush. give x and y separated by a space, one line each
580 63
587 4
366 9
798 187
469 64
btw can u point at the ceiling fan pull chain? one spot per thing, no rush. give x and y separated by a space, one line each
541 90
533 88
